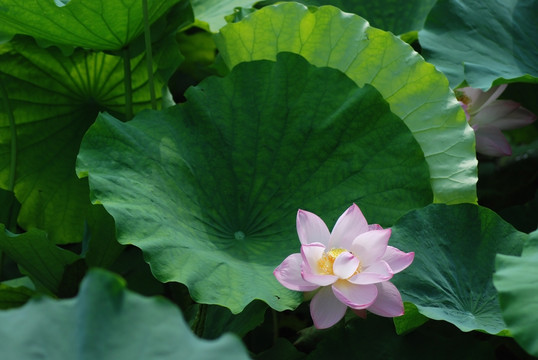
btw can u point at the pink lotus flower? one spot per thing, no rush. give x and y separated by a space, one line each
488 116
351 267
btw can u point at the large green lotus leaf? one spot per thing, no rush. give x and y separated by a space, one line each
395 16
44 262
52 100
451 276
107 322
209 190
416 92
516 279
484 43
96 24
214 12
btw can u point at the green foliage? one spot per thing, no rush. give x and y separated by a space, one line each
314 109
395 16
223 175
411 320
516 280
213 12
100 248
53 99
43 261
99 321
483 43
200 51
282 349
219 320
98 24
451 276
416 92
434 340
11 297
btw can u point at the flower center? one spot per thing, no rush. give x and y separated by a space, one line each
326 263
460 96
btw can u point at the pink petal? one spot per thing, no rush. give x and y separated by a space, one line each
388 302
355 296
318 279
289 274
505 115
325 309
371 246
311 254
374 227
397 259
480 99
310 272
311 228
375 273
496 110
345 265
349 225
491 141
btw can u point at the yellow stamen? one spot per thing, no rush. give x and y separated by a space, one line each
325 264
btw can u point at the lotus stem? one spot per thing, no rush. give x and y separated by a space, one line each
149 56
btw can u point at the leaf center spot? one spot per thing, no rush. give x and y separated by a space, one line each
239 235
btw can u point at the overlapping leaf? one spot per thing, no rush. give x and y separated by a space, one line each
96 24
395 16
516 279
100 248
43 261
416 92
482 42
209 190
106 321
451 276
53 100
213 12
11 297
